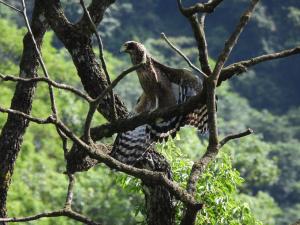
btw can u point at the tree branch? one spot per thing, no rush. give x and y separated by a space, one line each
63 212
199 34
183 55
13 130
96 10
123 125
235 136
50 82
101 56
199 7
94 104
77 39
69 198
242 66
144 174
11 6
213 146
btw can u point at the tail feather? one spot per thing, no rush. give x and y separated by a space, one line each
130 146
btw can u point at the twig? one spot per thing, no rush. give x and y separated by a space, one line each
49 81
95 103
10 6
63 212
242 66
199 7
30 118
183 55
235 136
101 55
156 177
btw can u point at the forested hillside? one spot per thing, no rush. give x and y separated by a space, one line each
258 175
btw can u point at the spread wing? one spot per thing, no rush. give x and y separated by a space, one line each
188 85
133 147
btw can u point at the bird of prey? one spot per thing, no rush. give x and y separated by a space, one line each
163 87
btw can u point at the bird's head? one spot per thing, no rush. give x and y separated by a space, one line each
132 47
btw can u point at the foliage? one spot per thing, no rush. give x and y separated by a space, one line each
267 161
216 189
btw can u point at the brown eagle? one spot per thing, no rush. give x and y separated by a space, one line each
163 87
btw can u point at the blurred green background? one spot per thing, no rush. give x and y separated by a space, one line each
256 180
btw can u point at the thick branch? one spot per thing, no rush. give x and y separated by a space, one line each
101 56
144 174
96 10
77 40
242 66
213 146
199 34
123 125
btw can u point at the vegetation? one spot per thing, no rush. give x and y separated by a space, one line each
254 181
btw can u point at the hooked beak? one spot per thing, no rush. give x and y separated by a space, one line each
123 48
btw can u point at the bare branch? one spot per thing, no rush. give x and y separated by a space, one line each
242 66
213 146
212 81
231 42
50 82
156 177
40 59
63 212
199 34
51 92
69 198
101 56
11 6
123 125
199 7
95 103
30 118
96 9
183 55
235 136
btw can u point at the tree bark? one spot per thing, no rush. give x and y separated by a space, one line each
77 39
11 137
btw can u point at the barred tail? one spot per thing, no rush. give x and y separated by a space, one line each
129 147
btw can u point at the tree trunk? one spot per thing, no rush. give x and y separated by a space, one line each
12 133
